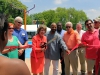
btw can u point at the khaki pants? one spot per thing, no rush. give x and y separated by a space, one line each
90 64
72 60
81 54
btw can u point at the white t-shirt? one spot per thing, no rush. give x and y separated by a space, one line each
81 32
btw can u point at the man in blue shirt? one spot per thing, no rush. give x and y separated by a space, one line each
61 32
53 50
21 34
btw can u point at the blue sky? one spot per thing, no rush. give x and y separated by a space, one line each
90 7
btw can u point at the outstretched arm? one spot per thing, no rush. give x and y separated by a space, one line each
63 46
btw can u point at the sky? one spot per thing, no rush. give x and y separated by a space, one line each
90 7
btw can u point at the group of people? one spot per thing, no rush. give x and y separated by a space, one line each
66 45
60 44
16 37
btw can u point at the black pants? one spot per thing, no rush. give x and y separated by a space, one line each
94 70
22 57
99 70
62 64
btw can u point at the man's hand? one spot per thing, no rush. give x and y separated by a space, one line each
26 46
83 44
20 52
29 46
68 52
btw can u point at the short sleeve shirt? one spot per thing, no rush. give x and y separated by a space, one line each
91 39
72 39
21 34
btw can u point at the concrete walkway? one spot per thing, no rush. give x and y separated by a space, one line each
51 68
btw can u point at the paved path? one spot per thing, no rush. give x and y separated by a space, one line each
51 68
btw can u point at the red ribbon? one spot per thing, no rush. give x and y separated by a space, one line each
35 54
28 46
84 44
14 47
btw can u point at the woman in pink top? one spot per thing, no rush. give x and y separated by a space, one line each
37 42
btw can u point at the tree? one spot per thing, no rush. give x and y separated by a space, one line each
28 19
12 8
76 16
61 15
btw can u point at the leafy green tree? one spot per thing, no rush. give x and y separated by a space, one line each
28 20
12 8
76 16
11 20
61 15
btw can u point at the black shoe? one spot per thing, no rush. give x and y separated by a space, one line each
62 74
82 73
93 73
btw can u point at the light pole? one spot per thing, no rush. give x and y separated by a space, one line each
37 22
25 15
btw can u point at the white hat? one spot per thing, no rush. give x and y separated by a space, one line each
96 19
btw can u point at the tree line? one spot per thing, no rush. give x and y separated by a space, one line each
61 15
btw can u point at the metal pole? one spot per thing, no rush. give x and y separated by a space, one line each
37 23
25 19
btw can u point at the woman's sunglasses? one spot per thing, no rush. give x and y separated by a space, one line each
10 28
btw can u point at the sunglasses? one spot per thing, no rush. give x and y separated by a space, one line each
88 24
10 28
95 22
20 22
68 26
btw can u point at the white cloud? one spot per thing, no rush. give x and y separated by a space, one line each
26 0
93 13
59 1
54 8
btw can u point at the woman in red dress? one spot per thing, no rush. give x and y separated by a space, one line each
37 54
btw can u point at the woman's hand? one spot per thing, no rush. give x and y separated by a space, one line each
11 49
43 49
